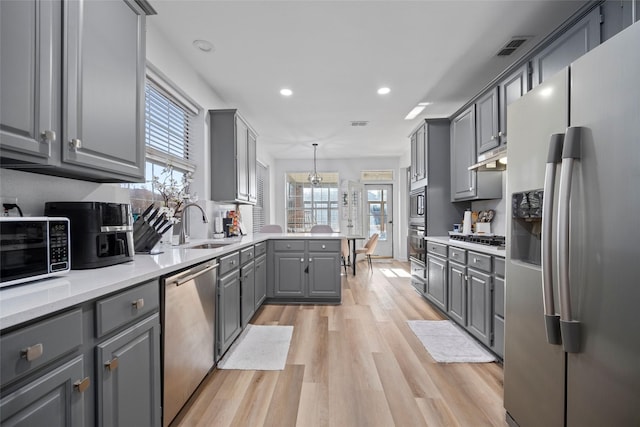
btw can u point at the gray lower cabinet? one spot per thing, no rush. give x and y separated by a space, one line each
304 270
324 279
82 116
261 280
498 307
51 399
247 292
457 293
290 272
437 281
128 377
479 305
229 326
95 364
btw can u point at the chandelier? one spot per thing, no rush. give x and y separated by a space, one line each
314 178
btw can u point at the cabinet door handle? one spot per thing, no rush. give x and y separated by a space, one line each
493 137
138 304
301 259
310 259
47 136
288 246
112 365
502 133
324 247
82 385
33 352
75 144
475 260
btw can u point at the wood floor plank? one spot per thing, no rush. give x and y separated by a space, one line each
351 365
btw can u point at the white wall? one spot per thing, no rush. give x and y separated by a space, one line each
348 169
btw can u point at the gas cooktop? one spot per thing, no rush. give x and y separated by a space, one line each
482 239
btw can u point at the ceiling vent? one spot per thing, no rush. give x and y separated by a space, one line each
512 45
359 123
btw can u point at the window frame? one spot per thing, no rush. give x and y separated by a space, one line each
301 218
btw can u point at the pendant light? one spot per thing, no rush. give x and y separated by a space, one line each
314 178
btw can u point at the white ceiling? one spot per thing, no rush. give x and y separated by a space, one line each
334 55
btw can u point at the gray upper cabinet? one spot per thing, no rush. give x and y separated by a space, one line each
463 155
78 110
419 152
232 135
104 73
29 74
572 44
510 89
487 121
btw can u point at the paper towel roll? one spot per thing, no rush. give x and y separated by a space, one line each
466 226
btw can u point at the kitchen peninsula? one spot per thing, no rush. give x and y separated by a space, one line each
56 334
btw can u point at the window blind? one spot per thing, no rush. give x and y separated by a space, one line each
259 211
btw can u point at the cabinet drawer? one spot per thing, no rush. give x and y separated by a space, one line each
437 248
228 262
288 245
457 255
324 245
246 255
260 248
125 307
478 261
499 266
42 342
499 297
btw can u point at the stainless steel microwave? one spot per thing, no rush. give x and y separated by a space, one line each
417 208
33 248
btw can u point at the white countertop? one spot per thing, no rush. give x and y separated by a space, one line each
485 249
28 301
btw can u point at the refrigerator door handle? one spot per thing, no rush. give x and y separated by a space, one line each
569 328
551 318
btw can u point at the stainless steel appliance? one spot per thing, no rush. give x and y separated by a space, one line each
416 245
33 248
417 207
188 331
572 348
101 233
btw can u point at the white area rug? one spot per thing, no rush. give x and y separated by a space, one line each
259 348
447 343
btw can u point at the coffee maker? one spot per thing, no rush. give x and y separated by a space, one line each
101 233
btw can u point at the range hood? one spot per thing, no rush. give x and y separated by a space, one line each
494 160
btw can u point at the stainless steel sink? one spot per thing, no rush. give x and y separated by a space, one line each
208 246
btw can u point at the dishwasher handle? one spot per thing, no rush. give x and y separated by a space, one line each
185 276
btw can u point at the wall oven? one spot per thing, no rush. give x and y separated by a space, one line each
416 244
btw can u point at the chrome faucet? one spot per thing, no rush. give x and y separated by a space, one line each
185 222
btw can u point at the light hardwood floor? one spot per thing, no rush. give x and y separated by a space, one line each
354 364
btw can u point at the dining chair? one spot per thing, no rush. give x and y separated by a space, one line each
271 228
368 248
321 228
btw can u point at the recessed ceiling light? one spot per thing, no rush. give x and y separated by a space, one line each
414 113
383 91
203 45
286 92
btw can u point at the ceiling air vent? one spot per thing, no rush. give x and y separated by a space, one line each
359 123
512 45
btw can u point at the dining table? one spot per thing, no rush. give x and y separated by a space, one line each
351 240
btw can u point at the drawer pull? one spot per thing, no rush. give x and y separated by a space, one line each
324 247
301 259
138 304
112 365
232 262
33 352
250 254
310 259
288 246
82 385
455 254
475 260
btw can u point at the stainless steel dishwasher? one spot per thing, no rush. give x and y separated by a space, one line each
188 330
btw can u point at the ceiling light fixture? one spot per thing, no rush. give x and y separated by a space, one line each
417 110
286 92
383 91
203 45
314 178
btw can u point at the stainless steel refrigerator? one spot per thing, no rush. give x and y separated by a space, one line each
572 350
